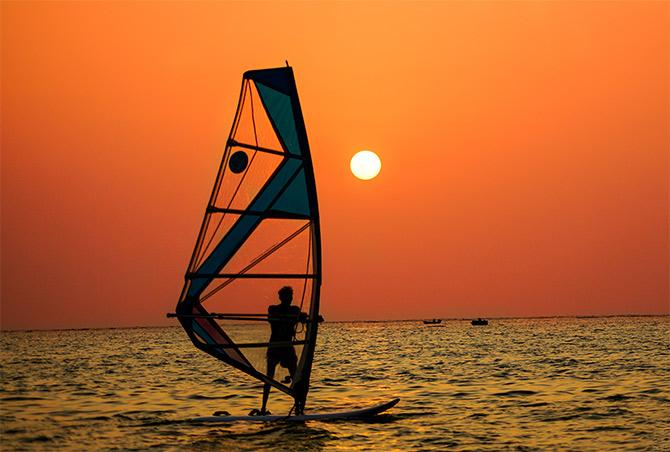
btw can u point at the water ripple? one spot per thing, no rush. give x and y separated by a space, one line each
526 384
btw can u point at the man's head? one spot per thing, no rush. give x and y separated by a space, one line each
286 295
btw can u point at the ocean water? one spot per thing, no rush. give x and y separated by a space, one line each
517 384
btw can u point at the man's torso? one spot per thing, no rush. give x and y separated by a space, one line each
282 322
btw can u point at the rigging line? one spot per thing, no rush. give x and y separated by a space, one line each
304 285
251 161
208 216
256 261
253 118
274 248
196 257
238 116
233 133
309 255
246 171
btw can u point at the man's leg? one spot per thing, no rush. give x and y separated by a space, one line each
292 366
266 387
290 362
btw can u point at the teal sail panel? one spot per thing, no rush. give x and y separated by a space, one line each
294 199
280 110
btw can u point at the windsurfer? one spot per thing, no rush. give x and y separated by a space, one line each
283 318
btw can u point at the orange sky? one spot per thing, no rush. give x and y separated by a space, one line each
524 146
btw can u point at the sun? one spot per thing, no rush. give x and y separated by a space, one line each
365 165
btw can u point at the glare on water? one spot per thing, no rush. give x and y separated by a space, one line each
596 383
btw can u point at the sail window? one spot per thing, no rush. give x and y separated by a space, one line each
238 162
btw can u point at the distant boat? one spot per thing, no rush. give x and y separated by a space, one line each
432 322
480 321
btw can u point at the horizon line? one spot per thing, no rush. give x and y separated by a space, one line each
28 330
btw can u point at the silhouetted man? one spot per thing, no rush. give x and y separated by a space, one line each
283 318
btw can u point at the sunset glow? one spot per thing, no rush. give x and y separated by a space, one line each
525 149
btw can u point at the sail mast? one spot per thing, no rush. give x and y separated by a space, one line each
302 384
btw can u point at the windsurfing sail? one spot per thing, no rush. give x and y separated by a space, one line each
260 232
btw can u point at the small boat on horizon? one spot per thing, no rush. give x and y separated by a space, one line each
479 322
432 322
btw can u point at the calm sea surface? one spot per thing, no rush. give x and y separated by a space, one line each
580 384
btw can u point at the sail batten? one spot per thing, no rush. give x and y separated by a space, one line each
266 214
260 232
251 275
233 143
